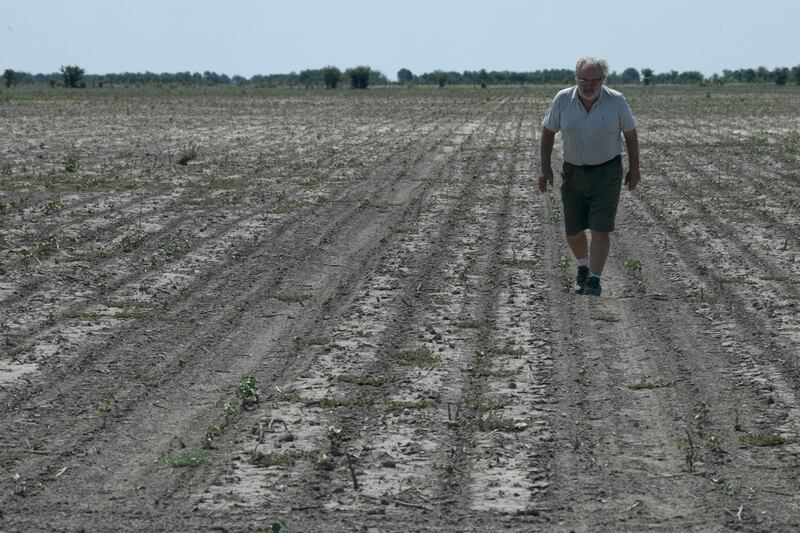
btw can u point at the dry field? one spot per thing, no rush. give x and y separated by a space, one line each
346 311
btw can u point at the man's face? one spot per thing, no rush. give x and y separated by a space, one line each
590 79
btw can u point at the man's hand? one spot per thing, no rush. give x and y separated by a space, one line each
545 177
632 178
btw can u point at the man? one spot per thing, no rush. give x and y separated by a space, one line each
590 117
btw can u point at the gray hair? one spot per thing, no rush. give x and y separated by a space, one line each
592 62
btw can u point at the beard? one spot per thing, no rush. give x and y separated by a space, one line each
589 95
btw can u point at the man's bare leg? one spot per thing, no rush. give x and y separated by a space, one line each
579 245
601 242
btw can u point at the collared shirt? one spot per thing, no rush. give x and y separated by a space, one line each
590 137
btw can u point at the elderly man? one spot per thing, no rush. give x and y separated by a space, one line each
590 117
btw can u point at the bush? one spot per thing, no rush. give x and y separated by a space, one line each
359 77
73 76
331 76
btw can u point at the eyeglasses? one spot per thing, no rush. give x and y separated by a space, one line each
587 80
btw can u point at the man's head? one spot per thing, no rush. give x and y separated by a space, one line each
590 73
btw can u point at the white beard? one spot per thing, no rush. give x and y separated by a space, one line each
588 96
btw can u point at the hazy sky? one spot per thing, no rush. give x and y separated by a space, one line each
249 37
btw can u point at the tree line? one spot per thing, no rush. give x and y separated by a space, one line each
361 77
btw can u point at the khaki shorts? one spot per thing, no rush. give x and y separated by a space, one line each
590 195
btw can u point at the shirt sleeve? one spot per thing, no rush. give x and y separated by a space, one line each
626 120
552 120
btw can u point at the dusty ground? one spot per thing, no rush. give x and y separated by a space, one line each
380 264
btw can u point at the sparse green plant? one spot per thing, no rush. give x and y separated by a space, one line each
300 342
644 384
3 239
474 324
690 457
399 405
128 243
421 357
187 153
766 440
275 527
184 460
324 463
728 488
335 435
107 404
20 486
582 373
737 421
634 266
230 408
52 206
71 163
247 391
174 248
2 207
363 203
211 433
291 298
564 262
279 459
49 245
370 381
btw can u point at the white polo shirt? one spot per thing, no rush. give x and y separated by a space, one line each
593 137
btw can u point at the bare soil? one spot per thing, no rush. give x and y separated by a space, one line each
380 264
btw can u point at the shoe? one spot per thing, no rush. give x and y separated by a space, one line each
580 279
593 287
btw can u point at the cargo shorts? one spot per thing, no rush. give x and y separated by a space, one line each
590 195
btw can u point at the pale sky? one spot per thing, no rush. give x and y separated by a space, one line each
249 37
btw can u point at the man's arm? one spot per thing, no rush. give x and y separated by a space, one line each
545 152
632 144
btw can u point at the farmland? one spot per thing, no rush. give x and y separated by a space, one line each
350 311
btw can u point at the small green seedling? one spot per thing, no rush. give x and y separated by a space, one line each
335 435
324 463
230 408
211 433
71 163
564 262
107 404
634 265
184 460
20 486
247 391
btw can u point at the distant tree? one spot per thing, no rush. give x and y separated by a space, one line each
749 75
404 76
647 76
441 78
763 74
9 77
630 75
781 75
73 76
690 76
331 76
308 77
359 77
796 74
376 77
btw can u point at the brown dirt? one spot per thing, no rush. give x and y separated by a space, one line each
380 262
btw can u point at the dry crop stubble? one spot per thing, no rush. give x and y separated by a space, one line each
430 237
